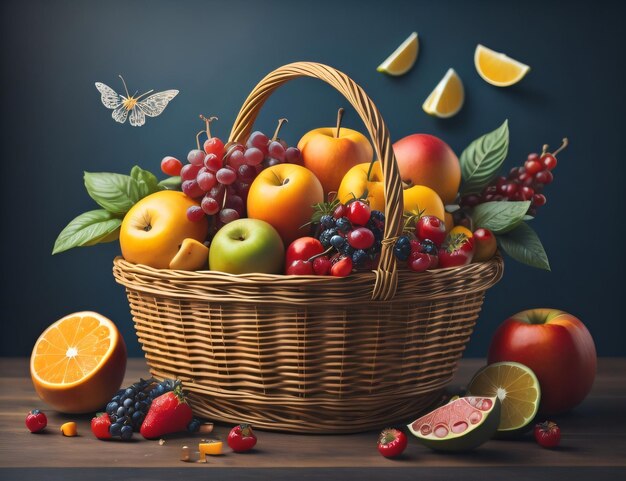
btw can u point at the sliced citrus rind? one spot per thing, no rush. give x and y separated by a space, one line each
517 388
497 68
462 424
447 98
403 58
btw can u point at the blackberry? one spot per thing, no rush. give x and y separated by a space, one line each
402 248
344 225
327 221
347 250
358 257
326 235
377 215
128 408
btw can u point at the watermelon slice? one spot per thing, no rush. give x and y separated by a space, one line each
462 424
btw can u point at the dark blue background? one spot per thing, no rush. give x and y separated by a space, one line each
54 126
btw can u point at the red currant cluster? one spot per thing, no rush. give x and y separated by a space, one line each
219 175
522 183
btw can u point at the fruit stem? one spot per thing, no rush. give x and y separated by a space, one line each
278 127
562 147
339 118
312 258
198 139
544 149
208 124
224 198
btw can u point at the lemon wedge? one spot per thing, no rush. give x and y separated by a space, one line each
447 97
496 68
402 59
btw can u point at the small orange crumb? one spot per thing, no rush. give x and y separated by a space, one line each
69 429
212 448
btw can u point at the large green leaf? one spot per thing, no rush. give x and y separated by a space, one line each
523 245
171 183
499 217
114 192
482 159
87 229
147 183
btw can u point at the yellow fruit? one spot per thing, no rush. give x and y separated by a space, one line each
416 199
156 226
78 362
69 429
459 229
447 98
498 69
191 256
212 448
403 58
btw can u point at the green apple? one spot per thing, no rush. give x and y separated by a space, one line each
247 245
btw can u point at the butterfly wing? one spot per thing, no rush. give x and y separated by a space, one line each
156 103
110 98
137 117
120 114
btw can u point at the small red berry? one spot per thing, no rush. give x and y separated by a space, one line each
539 200
361 238
339 212
549 161
544 177
547 434
432 228
419 262
322 265
358 212
36 421
342 268
171 166
214 146
533 166
300 268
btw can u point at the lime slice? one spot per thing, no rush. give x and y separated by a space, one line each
496 68
517 388
402 59
447 98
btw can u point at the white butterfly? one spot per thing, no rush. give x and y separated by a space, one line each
150 106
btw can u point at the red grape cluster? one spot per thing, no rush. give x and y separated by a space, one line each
522 183
219 175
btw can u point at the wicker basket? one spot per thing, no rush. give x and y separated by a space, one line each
310 353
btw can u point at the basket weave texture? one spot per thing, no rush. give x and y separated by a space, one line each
310 353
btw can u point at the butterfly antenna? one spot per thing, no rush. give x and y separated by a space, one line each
144 94
125 88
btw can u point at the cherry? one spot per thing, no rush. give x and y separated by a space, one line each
539 200
470 200
548 161
361 238
342 268
544 177
527 192
339 212
510 189
533 166
322 265
419 262
532 157
358 212
300 268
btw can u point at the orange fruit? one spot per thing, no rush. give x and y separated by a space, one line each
78 362
498 69
69 429
155 227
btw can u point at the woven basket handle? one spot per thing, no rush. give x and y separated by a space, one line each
386 274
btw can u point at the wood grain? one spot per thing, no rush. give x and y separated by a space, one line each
594 436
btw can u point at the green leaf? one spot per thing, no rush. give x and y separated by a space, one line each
114 192
499 217
482 159
171 183
87 229
523 245
147 182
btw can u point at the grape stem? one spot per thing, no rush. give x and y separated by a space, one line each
198 139
563 146
339 118
278 127
208 121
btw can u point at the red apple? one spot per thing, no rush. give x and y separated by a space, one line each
427 160
557 347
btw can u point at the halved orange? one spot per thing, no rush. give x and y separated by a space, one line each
78 362
498 69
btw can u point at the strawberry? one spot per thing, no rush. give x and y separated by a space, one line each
100 426
169 413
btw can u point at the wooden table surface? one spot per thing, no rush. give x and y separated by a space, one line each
593 445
